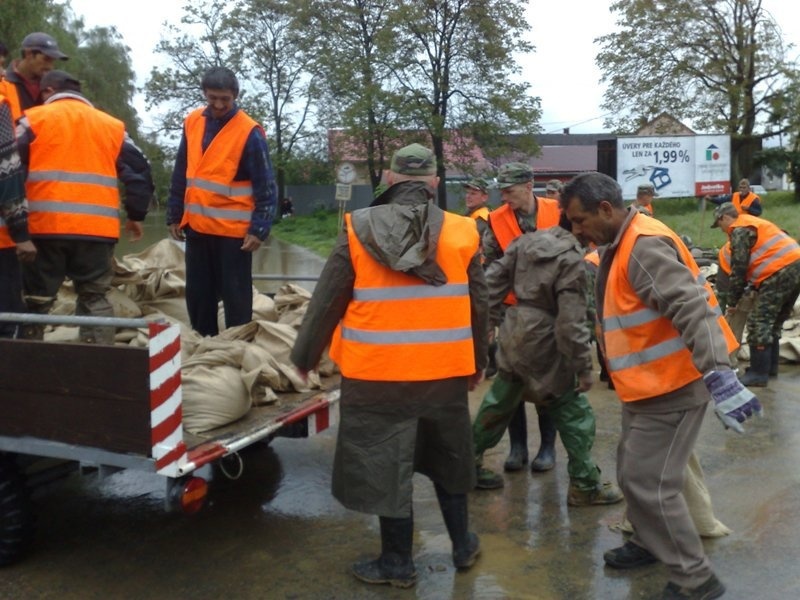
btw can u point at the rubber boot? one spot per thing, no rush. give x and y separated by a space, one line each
757 374
774 357
395 565
491 369
466 545
546 457
518 434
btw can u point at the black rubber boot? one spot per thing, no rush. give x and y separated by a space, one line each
546 457
518 434
774 357
491 369
466 545
395 565
757 374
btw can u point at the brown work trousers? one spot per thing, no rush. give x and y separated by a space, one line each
652 456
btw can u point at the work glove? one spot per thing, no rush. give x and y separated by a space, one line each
733 403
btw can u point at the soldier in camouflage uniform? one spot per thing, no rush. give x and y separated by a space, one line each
765 258
515 181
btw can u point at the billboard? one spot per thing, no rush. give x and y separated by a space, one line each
676 166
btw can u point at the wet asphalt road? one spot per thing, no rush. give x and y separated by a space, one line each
277 533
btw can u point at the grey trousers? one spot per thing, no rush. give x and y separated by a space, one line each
652 456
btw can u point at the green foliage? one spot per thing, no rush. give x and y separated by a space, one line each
719 64
317 232
683 216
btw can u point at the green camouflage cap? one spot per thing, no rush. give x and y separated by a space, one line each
646 188
513 173
554 185
415 159
477 183
726 208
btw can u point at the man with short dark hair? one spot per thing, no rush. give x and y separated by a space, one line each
745 200
666 345
402 301
222 202
75 155
21 82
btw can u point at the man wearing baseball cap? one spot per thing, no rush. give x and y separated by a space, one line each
765 258
21 84
477 202
403 302
522 211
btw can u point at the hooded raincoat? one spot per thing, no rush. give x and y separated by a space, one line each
390 429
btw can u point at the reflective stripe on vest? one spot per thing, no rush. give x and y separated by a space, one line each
214 203
772 251
72 172
504 225
645 354
397 328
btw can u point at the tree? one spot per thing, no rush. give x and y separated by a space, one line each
360 104
428 71
272 51
198 44
454 65
718 63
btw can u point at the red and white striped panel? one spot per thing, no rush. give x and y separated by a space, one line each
320 420
166 413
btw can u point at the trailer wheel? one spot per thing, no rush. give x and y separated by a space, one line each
16 528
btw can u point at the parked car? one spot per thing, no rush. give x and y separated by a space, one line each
758 190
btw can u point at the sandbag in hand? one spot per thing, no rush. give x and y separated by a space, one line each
733 403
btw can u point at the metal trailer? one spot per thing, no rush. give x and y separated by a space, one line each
67 407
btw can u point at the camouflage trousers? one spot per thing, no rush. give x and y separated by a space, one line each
774 304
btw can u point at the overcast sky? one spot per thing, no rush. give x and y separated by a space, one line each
562 71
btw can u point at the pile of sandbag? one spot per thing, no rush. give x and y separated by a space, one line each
222 376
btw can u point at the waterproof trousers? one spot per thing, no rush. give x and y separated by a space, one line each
572 414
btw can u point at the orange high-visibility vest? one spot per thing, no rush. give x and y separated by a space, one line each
396 328
480 213
9 90
645 354
592 258
72 171
772 251
5 237
725 258
743 204
505 227
214 202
